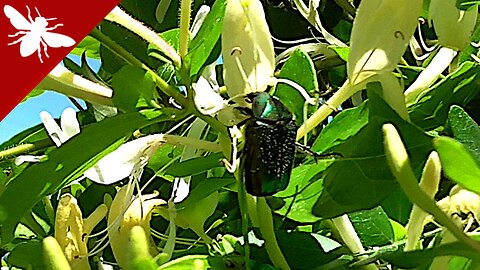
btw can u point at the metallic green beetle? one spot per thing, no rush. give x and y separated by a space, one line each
269 148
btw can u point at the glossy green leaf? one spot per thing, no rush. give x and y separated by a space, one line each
372 226
300 69
302 192
422 258
204 188
128 83
431 108
203 44
465 130
64 165
458 164
88 45
196 165
298 246
361 179
342 52
27 255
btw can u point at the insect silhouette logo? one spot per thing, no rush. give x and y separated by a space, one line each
35 35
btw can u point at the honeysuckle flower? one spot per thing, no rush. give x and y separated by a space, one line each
68 122
128 159
380 35
399 164
62 80
247 49
71 230
462 201
453 27
125 214
68 128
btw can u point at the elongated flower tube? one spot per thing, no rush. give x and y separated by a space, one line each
71 230
430 74
247 48
428 183
62 80
124 215
53 258
380 35
453 26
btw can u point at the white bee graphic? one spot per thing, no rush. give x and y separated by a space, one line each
35 33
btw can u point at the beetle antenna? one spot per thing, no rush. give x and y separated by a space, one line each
38 12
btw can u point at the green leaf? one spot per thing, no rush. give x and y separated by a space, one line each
64 165
34 93
27 255
342 52
457 163
345 125
303 192
188 262
361 179
422 258
88 45
300 69
465 130
204 42
372 226
298 246
431 108
128 83
203 189
195 166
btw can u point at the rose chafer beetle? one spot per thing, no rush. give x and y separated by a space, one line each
269 148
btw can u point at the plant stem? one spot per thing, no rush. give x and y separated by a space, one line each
344 93
242 201
185 15
350 237
25 148
192 142
119 16
265 221
129 58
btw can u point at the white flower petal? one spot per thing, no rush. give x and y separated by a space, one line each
122 162
69 123
199 18
28 158
206 99
52 127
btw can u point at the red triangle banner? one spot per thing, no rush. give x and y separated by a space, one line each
35 36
